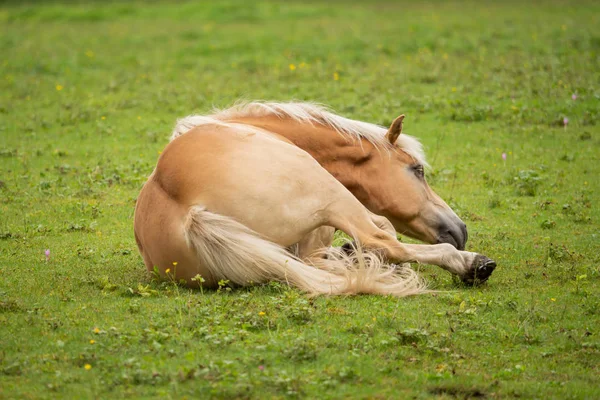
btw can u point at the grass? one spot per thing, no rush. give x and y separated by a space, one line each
89 92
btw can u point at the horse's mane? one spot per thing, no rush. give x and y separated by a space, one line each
304 112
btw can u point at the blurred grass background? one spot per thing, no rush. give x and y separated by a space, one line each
89 92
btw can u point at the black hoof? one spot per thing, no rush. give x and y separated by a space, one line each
481 269
348 248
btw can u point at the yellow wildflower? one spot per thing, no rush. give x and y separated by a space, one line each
92 341
87 367
292 67
168 270
96 330
336 76
262 313
59 87
174 263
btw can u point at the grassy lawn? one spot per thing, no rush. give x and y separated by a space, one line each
89 93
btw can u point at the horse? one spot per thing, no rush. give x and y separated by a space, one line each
255 192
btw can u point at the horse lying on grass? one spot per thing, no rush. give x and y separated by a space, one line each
234 189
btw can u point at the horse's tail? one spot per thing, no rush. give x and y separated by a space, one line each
232 251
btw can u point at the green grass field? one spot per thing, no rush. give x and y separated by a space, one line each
89 93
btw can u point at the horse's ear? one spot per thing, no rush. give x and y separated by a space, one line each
395 130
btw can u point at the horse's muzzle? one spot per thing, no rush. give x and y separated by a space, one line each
454 233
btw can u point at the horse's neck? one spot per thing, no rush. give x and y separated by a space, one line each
338 154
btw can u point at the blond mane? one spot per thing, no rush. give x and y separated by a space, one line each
310 113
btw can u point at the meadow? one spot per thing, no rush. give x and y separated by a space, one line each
505 97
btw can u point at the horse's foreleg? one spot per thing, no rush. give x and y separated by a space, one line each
352 218
470 267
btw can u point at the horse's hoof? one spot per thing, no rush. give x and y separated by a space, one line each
349 248
481 269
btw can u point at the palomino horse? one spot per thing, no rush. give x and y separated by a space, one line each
232 190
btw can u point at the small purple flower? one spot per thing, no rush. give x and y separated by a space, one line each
574 96
504 156
261 367
47 254
565 121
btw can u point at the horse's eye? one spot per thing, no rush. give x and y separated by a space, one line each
419 171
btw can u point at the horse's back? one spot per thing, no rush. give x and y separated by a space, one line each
220 158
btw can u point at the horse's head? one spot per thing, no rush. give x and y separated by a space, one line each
398 190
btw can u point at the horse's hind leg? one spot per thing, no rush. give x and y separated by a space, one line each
160 237
316 240
371 230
